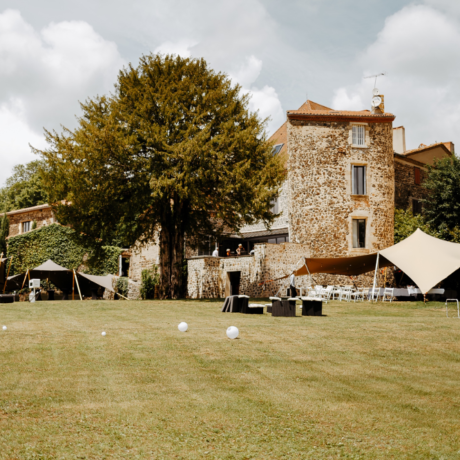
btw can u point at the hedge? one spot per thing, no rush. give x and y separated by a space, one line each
61 245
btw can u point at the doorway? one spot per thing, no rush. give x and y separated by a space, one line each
233 282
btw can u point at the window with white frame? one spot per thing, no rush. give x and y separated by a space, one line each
358 180
26 226
359 135
359 233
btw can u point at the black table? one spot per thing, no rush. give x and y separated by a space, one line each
6 298
312 307
236 304
283 308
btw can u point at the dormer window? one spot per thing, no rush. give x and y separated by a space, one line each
359 135
277 149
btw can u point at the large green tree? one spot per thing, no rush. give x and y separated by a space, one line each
173 151
24 188
442 206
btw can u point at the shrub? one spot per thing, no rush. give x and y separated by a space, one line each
122 286
150 278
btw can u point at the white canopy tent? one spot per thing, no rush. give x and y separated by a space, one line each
425 259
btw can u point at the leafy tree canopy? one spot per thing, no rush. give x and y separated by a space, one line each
406 224
173 151
442 207
24 188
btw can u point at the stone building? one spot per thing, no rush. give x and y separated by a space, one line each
22 220
347 172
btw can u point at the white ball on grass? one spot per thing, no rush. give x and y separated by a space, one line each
5 328
183 327
233 332
103 333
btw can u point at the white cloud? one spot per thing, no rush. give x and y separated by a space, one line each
181 48
265 100
419 48
43 75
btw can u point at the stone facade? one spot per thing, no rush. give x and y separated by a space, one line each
42 215
143 257
208 277
322 205
406 190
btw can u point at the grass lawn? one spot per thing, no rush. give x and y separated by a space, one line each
365 381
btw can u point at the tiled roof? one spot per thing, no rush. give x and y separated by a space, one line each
317 110
33 208
423 147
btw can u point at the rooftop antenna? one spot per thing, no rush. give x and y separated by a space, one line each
376 76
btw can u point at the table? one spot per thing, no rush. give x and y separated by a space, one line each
284 308
312 308
235 304
6 298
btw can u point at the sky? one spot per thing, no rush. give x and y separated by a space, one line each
55 54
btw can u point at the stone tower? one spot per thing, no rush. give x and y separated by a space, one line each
340 180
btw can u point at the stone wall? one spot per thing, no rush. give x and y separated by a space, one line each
143 256
208 276
405 187
43 217
321 204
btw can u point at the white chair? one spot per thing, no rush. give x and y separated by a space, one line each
326 294
345 293
374 294
388 293
357 295
366 293
336 292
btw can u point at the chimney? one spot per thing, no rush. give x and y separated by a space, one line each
450 146
399 139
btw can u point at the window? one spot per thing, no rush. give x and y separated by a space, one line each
275 206
358 180
359 135
416 207
417 177
277 149
26 226
359 233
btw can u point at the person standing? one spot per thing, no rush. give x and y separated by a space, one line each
292 289
215 253
240 250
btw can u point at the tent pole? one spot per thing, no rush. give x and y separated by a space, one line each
9 268
308 270
78 286
375 274
25 277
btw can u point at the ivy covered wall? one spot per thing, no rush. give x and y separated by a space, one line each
60 244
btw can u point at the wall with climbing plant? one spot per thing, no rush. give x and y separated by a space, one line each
62 246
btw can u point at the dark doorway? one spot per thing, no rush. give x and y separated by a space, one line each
234 278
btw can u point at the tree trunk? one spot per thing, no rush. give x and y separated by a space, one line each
172 239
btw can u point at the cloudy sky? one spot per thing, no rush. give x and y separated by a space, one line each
55 53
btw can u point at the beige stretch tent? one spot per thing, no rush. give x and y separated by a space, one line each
425 259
